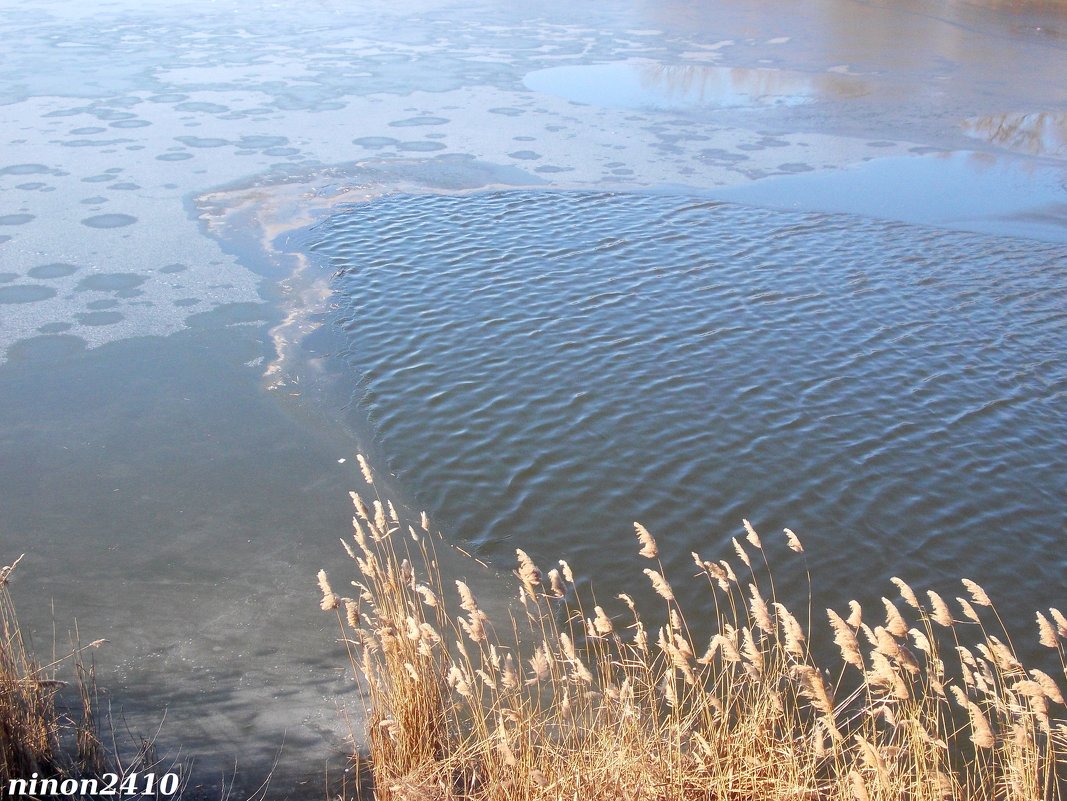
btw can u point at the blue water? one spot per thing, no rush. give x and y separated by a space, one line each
543 368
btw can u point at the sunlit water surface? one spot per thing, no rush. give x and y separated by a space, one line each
543 368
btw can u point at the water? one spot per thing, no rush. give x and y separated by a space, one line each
652 85
960 190
673 262
544 368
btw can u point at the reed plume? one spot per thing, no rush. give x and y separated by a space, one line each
544 700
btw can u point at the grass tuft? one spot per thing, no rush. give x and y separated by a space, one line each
48 726
566 698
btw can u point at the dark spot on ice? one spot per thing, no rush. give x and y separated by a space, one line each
100 318
16 219
68 112
24 169
94 142
375 142
717 155
411 121
420 146
207 108
111 282
109 220
56 270
107 114
25 293
197 141
258 142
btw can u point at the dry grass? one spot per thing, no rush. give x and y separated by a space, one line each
48 726
33 733
567 699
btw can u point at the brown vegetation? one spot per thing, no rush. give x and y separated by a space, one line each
568 699
34 735
48 727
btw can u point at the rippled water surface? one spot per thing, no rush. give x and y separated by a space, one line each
542 368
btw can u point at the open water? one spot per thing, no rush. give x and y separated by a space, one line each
543 368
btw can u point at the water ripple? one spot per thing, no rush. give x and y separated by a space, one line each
543 368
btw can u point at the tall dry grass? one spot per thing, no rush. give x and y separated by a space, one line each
36 736
49 727
565 698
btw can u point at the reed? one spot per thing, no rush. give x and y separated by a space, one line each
49 727
561 697
31 728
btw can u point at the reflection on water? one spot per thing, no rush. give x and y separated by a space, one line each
543 368
1042 133
645 85
970 191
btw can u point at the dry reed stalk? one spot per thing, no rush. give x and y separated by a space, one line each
44 732
577 704
30 726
